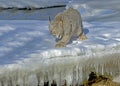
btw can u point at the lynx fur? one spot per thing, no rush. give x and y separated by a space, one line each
66 25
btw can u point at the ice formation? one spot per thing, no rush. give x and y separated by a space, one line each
33 72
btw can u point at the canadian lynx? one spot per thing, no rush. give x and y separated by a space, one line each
65 25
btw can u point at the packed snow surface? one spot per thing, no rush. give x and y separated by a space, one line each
23 39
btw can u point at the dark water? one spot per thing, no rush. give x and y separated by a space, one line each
39 14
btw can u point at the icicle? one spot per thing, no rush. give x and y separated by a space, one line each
42 82
74 77
80 74
2 83
96 67
59 84
102 69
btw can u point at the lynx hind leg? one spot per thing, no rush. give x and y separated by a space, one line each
82 36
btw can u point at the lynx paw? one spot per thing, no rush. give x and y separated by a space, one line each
60 45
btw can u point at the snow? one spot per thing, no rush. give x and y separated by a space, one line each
28 46
21 37
97 10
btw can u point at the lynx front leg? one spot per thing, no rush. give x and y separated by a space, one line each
66 37
63 41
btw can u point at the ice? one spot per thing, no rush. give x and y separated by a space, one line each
28 56
32 53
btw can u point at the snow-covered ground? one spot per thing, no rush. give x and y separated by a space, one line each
27 44
23 38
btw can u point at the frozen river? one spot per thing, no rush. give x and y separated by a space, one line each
35 14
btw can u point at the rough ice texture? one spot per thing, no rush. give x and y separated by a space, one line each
32 71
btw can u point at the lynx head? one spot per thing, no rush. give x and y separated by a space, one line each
56 28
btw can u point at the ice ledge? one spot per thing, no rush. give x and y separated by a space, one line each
72 69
